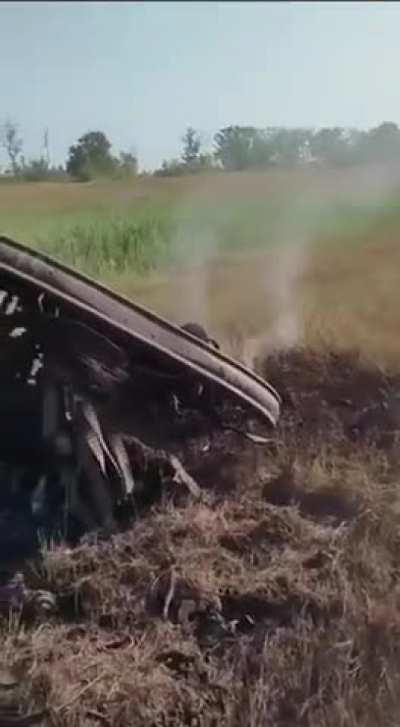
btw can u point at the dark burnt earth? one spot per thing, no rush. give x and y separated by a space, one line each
272 600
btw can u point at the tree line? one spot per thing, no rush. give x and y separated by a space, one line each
238 148
89 158
235 148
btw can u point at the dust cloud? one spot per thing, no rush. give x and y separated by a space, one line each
306 221
254 293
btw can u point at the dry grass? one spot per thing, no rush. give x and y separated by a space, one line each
276 600
339 297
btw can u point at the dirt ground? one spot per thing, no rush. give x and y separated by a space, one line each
274 600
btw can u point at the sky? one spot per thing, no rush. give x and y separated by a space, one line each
144 71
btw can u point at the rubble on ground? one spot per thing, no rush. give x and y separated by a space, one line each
99 398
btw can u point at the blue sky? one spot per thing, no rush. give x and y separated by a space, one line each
143 71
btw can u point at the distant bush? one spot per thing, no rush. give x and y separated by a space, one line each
38 170
35 170
177 168
126 166
171 168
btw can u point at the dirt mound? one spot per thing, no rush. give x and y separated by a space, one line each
334 394
274 599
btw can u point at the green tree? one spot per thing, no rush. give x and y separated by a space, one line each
261 153
330 145
128 164
206 162
382 143
245 147
170 168
234 145
191 148
12 143
91 157
288 146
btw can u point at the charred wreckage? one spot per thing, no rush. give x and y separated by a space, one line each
91 384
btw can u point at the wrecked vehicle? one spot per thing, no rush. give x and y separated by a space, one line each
91 385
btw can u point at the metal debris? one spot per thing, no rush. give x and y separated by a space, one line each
90 384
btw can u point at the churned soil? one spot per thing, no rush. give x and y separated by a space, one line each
274 599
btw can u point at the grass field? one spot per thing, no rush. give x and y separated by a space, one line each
258 258
290 562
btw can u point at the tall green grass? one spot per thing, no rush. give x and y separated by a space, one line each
113 247
106 242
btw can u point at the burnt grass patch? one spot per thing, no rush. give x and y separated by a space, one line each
273 600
